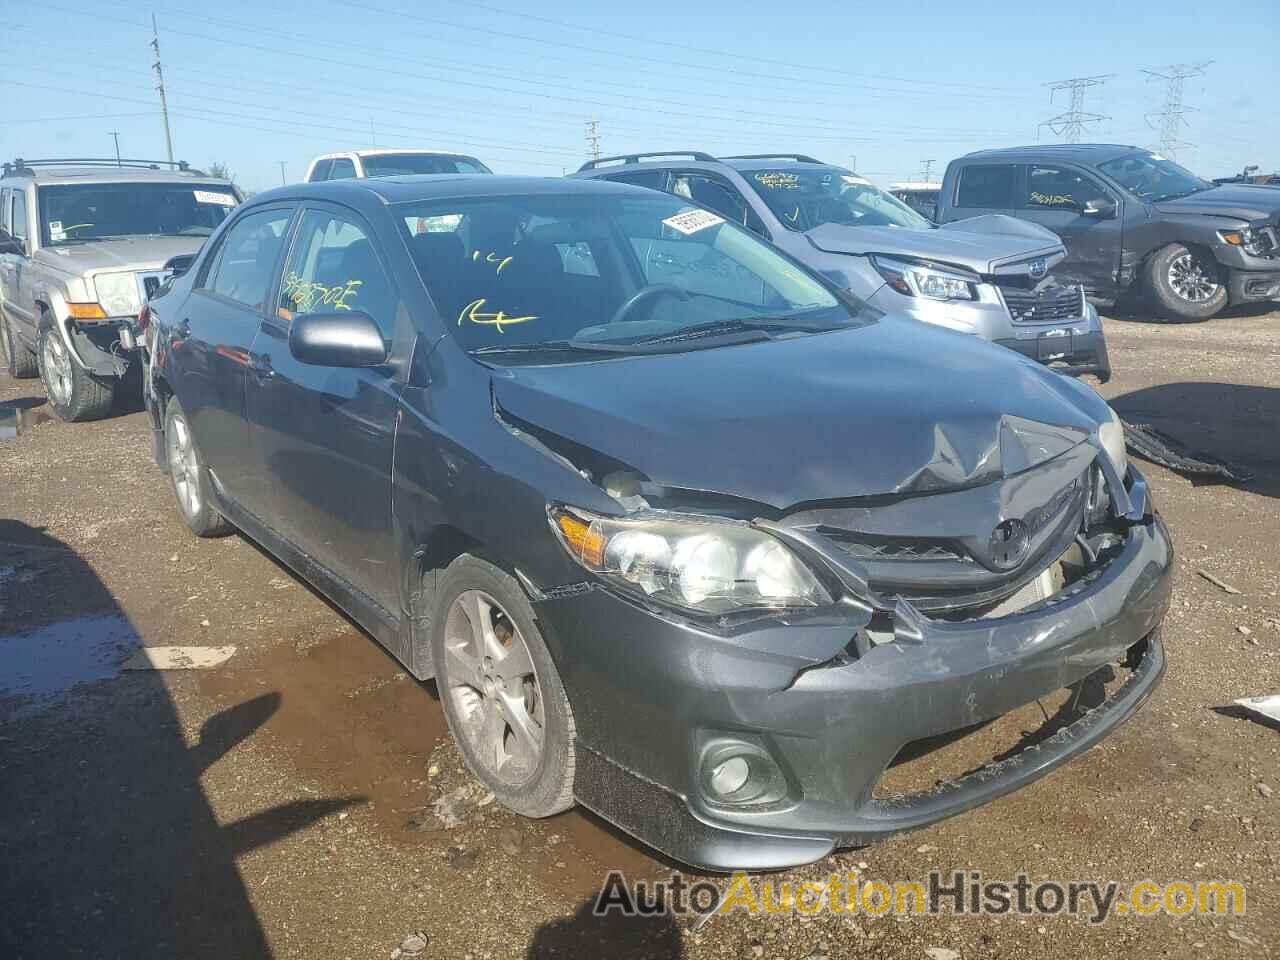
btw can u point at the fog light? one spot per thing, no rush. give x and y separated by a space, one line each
730 776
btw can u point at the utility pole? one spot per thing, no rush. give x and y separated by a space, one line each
373 136
1169 121
926 169
853 162
593 138
283 181
116 135
164 104
1071 124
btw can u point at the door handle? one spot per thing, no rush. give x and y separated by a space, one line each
260 364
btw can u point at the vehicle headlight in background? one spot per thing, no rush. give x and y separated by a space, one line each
918 280
118 294
702 564
1244 237
1111 434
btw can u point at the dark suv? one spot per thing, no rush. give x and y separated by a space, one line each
1132 221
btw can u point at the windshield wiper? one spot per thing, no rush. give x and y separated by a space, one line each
715 328
550 346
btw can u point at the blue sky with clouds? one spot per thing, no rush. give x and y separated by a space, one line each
892 86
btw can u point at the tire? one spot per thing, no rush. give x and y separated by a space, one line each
74 393
19 361
488 699
1183 285
188 476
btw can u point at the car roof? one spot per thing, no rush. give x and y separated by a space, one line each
434 186
1079 152
698 161
392 151
47 175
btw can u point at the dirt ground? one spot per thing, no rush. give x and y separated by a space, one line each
302 799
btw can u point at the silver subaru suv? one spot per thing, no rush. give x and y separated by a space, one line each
991 276
83 243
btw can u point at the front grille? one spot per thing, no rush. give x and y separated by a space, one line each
1049 304
868 547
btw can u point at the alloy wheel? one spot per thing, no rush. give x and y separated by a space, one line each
494 688
57 369
1189 279
183 466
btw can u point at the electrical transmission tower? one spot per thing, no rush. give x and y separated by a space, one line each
164 104
1169 121
1071 124
593 138
926 168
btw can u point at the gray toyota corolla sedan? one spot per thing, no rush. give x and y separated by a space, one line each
682 531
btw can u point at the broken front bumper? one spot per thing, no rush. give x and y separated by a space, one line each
655 698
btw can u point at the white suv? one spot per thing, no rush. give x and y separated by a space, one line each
390 163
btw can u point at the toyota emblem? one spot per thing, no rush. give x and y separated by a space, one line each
1038 268
1009 543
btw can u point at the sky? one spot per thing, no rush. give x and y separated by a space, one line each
883 89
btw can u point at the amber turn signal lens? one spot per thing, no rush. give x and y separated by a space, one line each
1233 238
86 311
578 536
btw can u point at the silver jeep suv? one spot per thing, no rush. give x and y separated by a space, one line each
83 243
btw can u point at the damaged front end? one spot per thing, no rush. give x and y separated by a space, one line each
761 738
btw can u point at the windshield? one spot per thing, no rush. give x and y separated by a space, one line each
403 164
526 275
804 199
1150 176
75 213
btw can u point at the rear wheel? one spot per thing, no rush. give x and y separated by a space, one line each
189 477
19 361
1185 285
501 692
74 393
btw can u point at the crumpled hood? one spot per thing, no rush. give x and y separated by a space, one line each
894 407
1242 201
126 253
989 244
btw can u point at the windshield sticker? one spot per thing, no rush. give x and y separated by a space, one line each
493 258
691 221
56 232
306 295
473 313
856 181
1052 200
208 196
778 181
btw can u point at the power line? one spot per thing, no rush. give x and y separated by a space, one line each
1070 125
164 106
1170 120
593 138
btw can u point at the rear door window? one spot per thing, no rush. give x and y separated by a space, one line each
987 186
343 169
320 171
247 259
333 266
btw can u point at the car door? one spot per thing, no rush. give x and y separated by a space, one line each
15 269
1067 201
322 437
210 337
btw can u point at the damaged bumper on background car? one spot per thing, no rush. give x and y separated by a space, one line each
771 742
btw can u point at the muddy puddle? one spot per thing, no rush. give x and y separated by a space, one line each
39 666
352 722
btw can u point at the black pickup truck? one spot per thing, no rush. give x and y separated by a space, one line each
1132 221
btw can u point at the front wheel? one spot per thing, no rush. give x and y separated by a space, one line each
1184 284
188 476
500 689
74 393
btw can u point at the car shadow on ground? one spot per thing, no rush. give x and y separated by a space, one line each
1231 422
111 847
1139 311
620 938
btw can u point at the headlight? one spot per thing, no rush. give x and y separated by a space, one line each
917 280
706 565
1111 434
118 294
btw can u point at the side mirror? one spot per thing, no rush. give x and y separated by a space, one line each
346 338
1103 208
177 266
12 245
